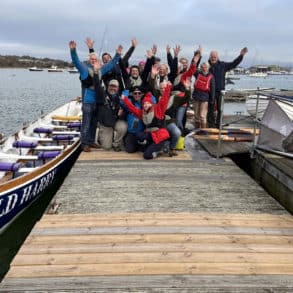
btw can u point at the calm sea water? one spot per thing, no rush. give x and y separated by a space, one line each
25 94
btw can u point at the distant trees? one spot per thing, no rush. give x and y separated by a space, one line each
12 61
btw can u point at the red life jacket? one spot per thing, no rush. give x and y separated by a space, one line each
203 82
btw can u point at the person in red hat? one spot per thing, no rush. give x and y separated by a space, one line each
153 116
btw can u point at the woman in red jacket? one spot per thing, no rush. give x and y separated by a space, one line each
153 116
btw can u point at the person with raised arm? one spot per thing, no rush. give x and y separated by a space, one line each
89 101
218 69
153 116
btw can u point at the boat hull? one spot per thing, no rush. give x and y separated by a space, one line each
39 168
20 193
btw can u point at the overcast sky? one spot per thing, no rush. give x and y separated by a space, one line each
44 28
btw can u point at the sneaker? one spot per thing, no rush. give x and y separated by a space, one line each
95 146
86 148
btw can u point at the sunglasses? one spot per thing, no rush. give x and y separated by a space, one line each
137 93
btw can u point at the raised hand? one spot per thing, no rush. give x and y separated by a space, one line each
197 56
134 42
97 65
119 50
168 49
243 51
89 42
177 49
155 70
149 54
72 45
154 49
187 83
200 50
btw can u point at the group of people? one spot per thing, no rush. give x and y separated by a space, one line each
143 107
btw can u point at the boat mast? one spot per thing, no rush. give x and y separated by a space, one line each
102 42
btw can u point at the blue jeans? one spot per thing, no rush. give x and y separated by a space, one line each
175 133
89 123
180 116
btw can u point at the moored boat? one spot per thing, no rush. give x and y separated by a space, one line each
73 70
55 69
35 69
32 159
258 74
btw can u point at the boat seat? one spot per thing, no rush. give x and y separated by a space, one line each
49 148
44 130
12 167
63 137
66 133
24 144
39 139
9 167
66 118
17 157
53 126
74 125
48 155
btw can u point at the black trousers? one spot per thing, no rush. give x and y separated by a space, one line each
212 118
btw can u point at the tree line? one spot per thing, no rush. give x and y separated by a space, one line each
12 61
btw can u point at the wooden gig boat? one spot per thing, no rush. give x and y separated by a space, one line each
32 159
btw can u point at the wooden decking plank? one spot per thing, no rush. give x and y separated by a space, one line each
154 247
142 216
148 269
162 230
101 154
159 238
149 257
167 222
155 283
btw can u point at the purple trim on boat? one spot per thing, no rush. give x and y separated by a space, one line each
48 155
62 137
42 130
24 144
74 125
9 166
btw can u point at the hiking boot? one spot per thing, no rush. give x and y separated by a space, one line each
86 148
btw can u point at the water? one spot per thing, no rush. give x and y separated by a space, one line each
25 94
271 81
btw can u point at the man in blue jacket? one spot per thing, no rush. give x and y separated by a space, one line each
89 101
218 69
